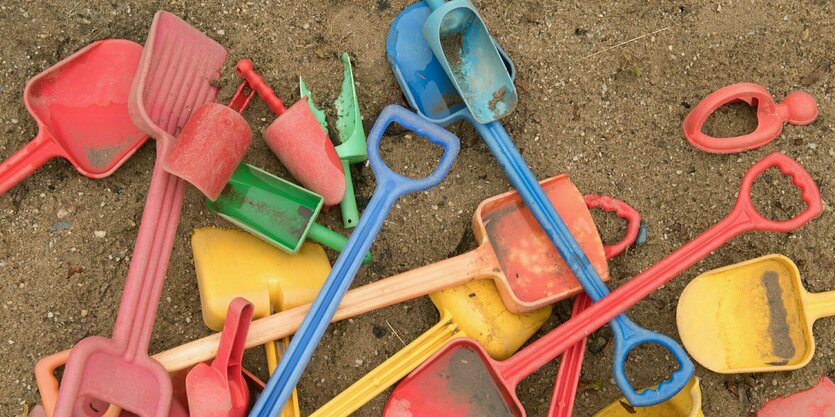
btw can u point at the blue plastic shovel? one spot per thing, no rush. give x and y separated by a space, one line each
460 41
433 95
390 187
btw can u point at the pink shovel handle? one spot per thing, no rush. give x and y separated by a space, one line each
568 374
26 160
245 70
742 218
624 211
233 338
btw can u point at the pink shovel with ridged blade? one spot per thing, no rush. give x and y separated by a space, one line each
175 76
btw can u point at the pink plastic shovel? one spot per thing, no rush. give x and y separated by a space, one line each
219 390
81 108
818 401
174 77
299 141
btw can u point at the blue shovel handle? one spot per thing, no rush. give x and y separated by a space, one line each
627 334
390 187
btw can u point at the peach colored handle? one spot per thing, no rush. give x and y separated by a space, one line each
478 264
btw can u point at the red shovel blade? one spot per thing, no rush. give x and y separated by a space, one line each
213 133
304 148
818 401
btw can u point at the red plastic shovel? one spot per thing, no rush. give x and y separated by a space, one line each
299 141
462 380
219 390
81 106
568 374
818 401
174 77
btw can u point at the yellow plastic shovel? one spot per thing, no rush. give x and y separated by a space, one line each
232 263
753 316
687 403
473 310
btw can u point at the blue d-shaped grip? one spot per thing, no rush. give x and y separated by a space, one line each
390 187
627 336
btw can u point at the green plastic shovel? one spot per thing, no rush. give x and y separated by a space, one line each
275 210
352 148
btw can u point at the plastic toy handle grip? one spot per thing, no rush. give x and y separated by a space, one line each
568 375
624 211
820 305
389 372
348 205
628 335
423 127
233 337
26 160
245 70
331 239
800 178
46 379
242 97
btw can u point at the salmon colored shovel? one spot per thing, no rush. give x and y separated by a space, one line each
818 401
81 106
299 141
424 393
687 403
753 316
273 280
530 262
568 374
471 310
174 77
219 390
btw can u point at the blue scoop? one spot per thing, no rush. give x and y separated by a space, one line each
457 36
429 90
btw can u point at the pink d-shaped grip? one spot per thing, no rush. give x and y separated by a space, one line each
798 108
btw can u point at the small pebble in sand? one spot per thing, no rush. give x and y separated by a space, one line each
84 313
359 362
220 32
100 234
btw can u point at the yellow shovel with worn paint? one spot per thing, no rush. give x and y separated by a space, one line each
473 310
687 403
232 263
753 316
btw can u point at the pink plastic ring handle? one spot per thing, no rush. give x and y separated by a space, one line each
809 193
624 211
797 108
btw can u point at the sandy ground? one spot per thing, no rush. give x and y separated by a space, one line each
593 104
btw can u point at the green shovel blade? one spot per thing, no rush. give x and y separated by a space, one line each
269 207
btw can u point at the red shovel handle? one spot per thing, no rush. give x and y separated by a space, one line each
233 338
245 70
624 211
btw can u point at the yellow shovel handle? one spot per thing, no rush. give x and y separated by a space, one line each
820 305
392 370
274 352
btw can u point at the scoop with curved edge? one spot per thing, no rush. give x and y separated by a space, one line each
81 107
818 401
269 278
471 310
278 211
459 39
219 389
687 403
754 316
298 141
415 68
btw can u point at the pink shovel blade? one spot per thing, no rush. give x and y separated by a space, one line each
304 148
220 390
818 401
214 133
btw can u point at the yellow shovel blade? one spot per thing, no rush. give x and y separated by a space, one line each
233 263
687 403
747 317
478 310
